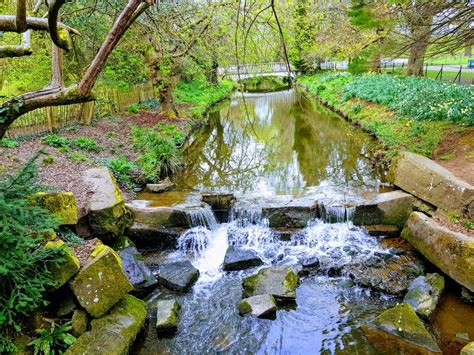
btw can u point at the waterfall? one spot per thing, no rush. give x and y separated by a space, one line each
335 213
201 216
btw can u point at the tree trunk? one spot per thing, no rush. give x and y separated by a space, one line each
375 63
214 67
468 48
416 59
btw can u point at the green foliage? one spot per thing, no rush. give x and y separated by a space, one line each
68 236
133 108
201 94
85 143
79 157
171 131
159 154
23 268
124 68
54 340
122 169
8 143
48 160
149 105
417 98
467 224
356 107
54 140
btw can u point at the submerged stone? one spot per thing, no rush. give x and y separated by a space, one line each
69 266
115 332
133 265
424 293
177 276
167 316
452 252
162 186
398 330
280 281
62 205
260 306
468 349
101 282
239 259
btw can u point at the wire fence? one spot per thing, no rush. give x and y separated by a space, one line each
109 101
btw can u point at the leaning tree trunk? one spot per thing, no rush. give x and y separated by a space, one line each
417 57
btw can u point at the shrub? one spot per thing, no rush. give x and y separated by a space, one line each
54 140
171 131
23 269
79 157
158 153
85 143
54 340
8 143
133 108
121 169
48 160
151 104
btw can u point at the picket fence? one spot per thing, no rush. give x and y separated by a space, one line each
109 101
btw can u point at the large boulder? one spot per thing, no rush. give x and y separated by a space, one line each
101 282
160 216
432 183
167 316
468 349
178 276
388 208
115 332
424 293
279 281
260 306
450 251
292 214
398 330
67 268
107 213
133 265
62 205
239 259
154 237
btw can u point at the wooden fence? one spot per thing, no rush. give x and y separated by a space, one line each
109 101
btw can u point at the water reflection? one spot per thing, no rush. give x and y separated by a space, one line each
277 143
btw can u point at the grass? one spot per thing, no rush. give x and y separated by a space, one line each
200 94
395 130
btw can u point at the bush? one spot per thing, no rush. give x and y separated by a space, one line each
54 340
23 269
48 160
54 140
85 143
159 154
122 169
79 157
8 143
133 108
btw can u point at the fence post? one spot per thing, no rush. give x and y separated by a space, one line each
426 70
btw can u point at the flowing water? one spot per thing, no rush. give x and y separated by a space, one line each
269 148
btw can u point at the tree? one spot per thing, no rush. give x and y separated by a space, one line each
56 93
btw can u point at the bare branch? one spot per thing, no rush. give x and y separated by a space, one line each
8 24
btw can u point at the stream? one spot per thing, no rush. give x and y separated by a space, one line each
271 148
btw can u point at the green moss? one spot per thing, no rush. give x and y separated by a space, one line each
291 280
244 307
79 322
62 205
63 271
167 315
250 285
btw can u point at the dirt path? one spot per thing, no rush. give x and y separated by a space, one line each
456 153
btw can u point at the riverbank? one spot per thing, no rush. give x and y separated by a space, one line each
451 144
115 142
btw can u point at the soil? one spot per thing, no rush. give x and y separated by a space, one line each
65 173
456 153
455 225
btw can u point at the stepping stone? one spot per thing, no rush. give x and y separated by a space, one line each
400 328
424 293
279 281
239 259
261 306
178 276
167 316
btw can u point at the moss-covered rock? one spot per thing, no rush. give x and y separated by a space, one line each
60 204
63 271
79 322
450 251
167 316
398 330
279 281
424 293
260 306
468 349
101 282
108 215
115 332
293 214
